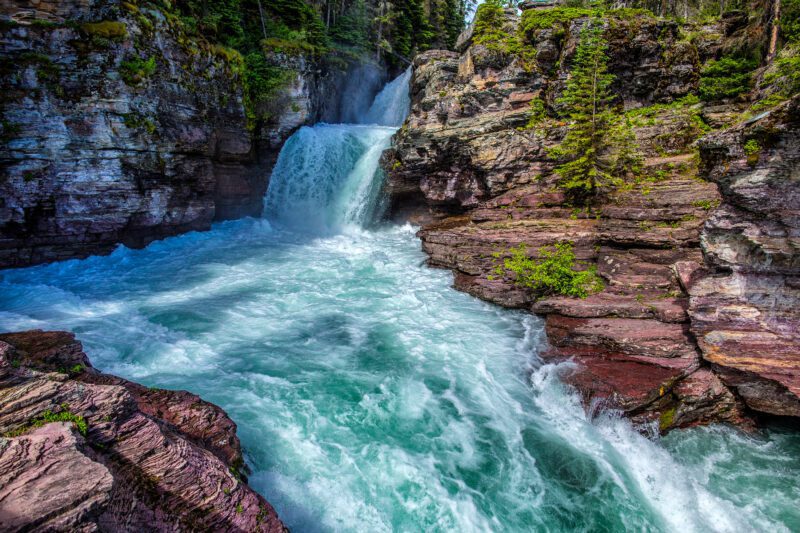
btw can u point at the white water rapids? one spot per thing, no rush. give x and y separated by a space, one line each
370 395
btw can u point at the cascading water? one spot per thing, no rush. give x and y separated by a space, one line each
369 395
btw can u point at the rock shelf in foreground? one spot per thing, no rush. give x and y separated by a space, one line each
81 450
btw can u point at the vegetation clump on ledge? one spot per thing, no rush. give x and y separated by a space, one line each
556 272
48 417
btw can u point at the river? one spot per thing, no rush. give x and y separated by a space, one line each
369 394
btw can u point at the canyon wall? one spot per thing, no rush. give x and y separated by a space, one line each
745 298
469 167
84 451
118 127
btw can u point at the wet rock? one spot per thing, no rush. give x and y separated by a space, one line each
83 450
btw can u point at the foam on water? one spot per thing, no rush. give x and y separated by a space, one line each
371 396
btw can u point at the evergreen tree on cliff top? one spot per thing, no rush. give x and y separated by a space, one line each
599 145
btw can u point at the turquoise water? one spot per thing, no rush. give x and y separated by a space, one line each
369 395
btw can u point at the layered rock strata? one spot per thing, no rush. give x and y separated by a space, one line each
469 168
119 127
83 451
745 298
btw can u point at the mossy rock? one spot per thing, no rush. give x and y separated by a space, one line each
106 29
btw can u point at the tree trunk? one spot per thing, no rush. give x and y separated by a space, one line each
261 14
773 38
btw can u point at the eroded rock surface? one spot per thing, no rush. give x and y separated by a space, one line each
745 308
146 459
466 166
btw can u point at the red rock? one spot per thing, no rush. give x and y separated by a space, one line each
150 459
482 183
744 308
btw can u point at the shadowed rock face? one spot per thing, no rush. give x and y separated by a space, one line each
745 308
95 152
149 459
480 182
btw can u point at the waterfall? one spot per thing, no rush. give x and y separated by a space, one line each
390 106
327 176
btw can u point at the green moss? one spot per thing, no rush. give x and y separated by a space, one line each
767 103
136 121
667 418
112 30
783 76
556 18
45 24
233 57
706 204
48 417
555 272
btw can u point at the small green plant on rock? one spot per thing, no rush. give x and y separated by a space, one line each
48 417
136 120
555 272
134 71
752 150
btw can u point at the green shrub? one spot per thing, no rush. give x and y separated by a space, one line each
790 20
751 147
537 113
553 273
137 121
135 71
726 78
557 18
784 74
489 22
262 82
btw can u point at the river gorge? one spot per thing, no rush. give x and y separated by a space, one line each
369 394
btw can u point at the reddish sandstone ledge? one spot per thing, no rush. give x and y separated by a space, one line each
149 459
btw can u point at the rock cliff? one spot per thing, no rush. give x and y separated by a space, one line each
119 127
744 298
468 166
83 451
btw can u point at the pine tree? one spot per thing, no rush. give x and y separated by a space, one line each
598 142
